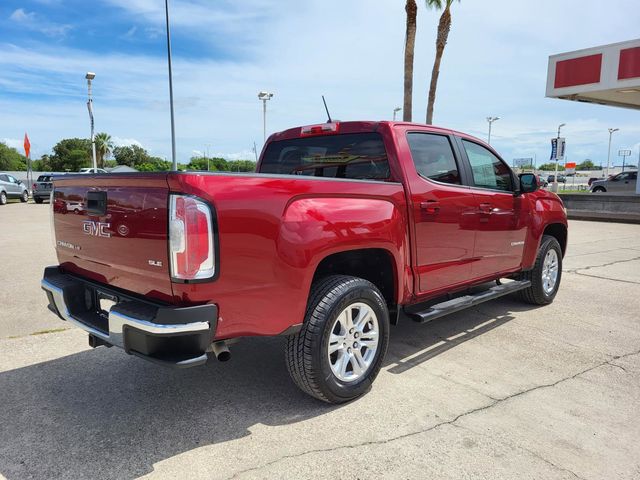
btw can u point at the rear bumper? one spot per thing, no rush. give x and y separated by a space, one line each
168 335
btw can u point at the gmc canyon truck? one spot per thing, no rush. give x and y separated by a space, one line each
345 229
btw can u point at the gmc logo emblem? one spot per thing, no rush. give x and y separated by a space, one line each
96 229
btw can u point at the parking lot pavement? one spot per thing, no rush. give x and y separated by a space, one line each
501 391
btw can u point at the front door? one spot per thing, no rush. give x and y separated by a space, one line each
501 216
443 212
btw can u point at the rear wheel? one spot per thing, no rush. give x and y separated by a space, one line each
37 199
545 275
24 198
3 198
339 351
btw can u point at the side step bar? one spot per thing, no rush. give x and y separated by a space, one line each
451 306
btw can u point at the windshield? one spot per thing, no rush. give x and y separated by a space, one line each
356 156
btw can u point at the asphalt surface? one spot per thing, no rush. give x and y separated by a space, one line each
501 391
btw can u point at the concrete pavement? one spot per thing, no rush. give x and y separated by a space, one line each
501 391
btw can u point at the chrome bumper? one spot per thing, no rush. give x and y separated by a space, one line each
169 335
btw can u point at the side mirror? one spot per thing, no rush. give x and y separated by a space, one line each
528 183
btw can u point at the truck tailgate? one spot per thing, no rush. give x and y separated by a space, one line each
113 229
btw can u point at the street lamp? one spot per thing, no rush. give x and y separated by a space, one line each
395 111
491 120
264 96
90 76
554 188
174 162
611 130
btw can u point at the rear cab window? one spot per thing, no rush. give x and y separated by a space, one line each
433 157
358 156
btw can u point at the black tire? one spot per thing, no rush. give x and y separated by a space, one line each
536 294
38 199
3 198
307 351
599 190
24 198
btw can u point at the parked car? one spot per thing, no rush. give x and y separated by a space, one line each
10 187
624 182
542 182
92 170
561 179
75 207
346 229
41 190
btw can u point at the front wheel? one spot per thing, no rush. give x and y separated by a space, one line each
599 190
545 275
339 351
37 199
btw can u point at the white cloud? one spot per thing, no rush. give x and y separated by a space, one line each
495 64
34 22
130 33
13 143
125 142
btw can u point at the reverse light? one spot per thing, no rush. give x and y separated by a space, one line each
320 129
191 239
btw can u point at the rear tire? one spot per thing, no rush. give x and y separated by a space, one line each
38 199
546 273
3 198
24 198
339 351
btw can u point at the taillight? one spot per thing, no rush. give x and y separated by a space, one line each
320 129
191 239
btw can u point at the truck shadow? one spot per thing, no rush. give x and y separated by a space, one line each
101 414
412 344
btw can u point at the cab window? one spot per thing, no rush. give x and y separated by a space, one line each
488 171
433 157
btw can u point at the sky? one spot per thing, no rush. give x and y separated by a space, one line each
225 52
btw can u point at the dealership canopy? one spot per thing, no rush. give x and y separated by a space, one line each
607 75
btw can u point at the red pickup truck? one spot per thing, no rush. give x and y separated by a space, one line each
346 228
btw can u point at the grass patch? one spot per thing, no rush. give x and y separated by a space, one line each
53 330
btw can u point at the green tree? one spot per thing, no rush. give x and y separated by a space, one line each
104 146
132 155
411 9
71 154
43 164
586 165
444 27
242 166
11 159
547 167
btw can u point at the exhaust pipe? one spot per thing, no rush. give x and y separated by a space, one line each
95 342
221 351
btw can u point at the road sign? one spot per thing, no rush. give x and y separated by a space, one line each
558 146
624 153
523 162
569 168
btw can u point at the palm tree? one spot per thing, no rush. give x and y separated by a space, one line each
409 46
104 145
444 26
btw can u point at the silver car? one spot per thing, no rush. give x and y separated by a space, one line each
10 187
624 182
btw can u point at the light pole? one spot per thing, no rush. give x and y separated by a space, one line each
554 188
395 111
264 96
611 130
491 120
90 76
174 162
207 145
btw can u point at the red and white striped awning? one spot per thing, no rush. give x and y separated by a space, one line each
608 75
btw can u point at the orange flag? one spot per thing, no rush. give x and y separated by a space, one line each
27 145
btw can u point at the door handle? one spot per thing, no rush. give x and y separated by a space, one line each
431 207
486 208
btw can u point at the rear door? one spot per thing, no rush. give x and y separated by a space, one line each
501 218
443 211
118 233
